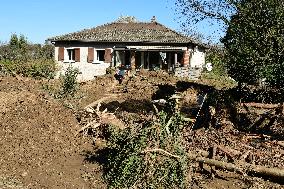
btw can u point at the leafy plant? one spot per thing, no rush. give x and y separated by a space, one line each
69 81
216 56
29 60
40 68
110 70
150 155
254 42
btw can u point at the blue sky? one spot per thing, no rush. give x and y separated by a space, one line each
40 19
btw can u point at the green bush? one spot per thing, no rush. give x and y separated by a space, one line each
41 69
254 43
216 56
29 60
218 81
69 81
38 68
147 156
110 70
7 67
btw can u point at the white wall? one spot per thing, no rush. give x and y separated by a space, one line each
88 71
197 58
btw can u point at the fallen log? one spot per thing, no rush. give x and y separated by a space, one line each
213 154
260 105
216 163
241 167
281 143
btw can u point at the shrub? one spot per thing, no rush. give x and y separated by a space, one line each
29 60
147 156
41 69
69 81
218 81
216 56
7 67
110 70
38 68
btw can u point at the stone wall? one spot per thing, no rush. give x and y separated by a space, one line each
192 73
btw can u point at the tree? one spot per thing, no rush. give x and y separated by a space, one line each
215 56
22 42
254 42
14 41
214 12
21 57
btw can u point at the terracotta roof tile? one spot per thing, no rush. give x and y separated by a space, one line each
127 32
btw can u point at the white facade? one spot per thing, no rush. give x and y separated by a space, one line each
88 71
197 58
97 67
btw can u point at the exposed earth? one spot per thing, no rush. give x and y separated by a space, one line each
41 146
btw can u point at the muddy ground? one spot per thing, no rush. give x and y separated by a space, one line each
41 147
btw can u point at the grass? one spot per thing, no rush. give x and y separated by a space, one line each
217 81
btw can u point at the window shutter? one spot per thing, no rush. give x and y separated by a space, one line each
90 55
77 55
60 53
107 56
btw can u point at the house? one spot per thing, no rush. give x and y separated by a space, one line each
129 43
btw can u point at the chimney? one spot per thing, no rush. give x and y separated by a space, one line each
153 19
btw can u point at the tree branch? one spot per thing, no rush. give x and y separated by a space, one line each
161 151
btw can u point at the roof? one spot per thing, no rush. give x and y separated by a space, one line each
127 32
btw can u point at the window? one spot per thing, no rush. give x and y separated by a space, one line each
101 55
71 54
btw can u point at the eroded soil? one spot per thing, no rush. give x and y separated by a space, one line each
41 147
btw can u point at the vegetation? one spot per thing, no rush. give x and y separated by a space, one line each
194 13
148 156
110 70
218 76
126 19
69 84
216 56
254 42
19 57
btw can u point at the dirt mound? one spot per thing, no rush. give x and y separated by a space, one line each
38 147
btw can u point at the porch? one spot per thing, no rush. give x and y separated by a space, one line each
151 58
